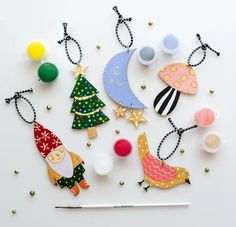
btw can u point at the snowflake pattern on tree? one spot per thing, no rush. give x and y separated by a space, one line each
86 105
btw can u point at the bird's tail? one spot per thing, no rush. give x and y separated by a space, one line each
143 146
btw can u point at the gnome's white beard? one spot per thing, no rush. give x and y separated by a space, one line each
65 167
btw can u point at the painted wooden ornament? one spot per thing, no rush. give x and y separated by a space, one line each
156 172
86 107
180 78
115 79
122 148
65 168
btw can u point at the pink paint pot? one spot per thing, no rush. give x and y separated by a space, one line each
205 117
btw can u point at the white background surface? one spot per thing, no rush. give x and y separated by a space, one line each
91 22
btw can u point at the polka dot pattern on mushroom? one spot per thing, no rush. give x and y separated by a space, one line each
181 77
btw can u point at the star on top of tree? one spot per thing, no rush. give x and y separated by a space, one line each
136 117
80 70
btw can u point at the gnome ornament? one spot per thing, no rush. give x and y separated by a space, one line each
65 168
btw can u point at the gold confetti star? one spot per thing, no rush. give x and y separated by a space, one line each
136 117
79 70
120 112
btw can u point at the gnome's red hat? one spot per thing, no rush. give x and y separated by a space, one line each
45 140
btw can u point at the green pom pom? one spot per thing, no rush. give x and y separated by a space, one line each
47 72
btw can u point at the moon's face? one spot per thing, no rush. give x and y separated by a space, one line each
117 78
116 81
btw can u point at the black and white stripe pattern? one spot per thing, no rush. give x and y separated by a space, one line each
166 101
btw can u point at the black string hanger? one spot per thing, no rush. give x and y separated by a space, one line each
122 20
65 40
18 95
203 47
179 132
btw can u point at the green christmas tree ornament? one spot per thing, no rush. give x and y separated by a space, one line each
86 105
47 72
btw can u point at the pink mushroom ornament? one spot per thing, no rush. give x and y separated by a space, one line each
180 77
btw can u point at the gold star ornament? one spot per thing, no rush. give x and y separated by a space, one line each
120 111
79 70
136 117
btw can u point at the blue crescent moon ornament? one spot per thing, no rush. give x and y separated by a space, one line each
116 82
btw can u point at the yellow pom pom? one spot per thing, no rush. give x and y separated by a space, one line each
36 50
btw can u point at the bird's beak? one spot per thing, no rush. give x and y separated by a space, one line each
187 181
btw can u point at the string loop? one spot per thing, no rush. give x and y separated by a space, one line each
65 40
122 20
18 96
179 132
203 47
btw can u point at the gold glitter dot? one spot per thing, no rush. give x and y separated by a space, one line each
150 23
143 86
182 151
166 77
176 84
163 69
183 65
207 170
117 131
13 211
32 193
121 183
173 68
184 78
49 107
89 144
211 91
194 84
98 46
191 72
16 171
185 91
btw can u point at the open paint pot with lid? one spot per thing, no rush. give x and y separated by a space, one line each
170 44
212 142
147 55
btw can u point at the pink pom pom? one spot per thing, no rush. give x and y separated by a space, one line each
204 117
